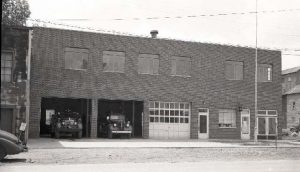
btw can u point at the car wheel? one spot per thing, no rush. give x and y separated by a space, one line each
57 134
2 153
79 134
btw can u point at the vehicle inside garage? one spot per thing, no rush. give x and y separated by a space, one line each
50 106
132 110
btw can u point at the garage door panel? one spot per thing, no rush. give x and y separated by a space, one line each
176 123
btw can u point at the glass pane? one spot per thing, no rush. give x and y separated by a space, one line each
186 120
187 106
186 113
181 112
182 120
272 112
176 113
8 63
151 119
166 112
272 126
167 105
181 106
176 120
151 112
151 104
156 119
162 105
172 112
161 113
156 105
176 105
172 120
166 119
203 124
171 105
156 112
162 119
261 126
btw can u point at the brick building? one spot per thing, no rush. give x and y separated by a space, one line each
15 65
291 97
167 88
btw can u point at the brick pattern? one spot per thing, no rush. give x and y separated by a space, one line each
206 88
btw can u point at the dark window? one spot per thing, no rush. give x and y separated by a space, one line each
181 66
234 70
76 58
6 66
264 73
148 64
113 61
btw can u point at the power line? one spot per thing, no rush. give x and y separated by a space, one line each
193 16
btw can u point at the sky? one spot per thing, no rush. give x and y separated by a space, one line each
191 20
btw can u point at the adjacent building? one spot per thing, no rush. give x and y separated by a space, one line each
15 67
291 97
168 89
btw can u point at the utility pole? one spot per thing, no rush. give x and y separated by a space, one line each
255 83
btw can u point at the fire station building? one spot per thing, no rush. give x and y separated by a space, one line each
168 89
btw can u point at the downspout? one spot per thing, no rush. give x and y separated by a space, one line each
28 65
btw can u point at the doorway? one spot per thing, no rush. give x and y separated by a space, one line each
203 123
245 124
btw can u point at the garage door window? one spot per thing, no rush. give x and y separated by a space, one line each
169 112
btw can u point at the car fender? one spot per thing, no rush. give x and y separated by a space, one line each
11 147
8 136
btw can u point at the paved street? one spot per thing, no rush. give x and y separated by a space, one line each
207 166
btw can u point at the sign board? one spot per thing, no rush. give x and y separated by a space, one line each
23 126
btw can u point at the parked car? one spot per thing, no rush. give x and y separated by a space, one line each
115 124
10 144
66 123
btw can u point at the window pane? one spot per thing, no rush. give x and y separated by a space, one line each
151 119
155 66
239 71
272 126
261 126
113 61
229 70
162 119
173 66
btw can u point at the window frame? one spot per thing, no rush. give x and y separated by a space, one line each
152 57
235 74
176 59
113 60
68 49
11 67
233 123
259 77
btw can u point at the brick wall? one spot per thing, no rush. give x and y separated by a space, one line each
206 88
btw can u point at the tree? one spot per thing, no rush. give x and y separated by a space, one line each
15 12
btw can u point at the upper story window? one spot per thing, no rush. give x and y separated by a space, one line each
6 66
289 79
181 66
76 58
264 73
113 61
148 64
234 70
227 118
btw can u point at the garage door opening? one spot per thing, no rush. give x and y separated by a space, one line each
50 106
132 111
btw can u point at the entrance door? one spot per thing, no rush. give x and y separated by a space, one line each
203 122
6 118
245 124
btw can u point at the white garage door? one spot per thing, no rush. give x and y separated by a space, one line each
169 120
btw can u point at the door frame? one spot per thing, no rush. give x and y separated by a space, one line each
245 136
202 135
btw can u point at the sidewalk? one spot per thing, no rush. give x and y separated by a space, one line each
85 143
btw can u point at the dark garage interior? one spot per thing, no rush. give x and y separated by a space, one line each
81 106
131 109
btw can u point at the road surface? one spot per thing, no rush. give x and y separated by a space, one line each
206 166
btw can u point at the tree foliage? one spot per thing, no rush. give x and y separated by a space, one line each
15 12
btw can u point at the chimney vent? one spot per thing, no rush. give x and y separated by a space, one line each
154 33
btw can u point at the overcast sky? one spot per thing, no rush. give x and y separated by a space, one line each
181 19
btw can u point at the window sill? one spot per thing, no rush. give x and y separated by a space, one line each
148 74
183 76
